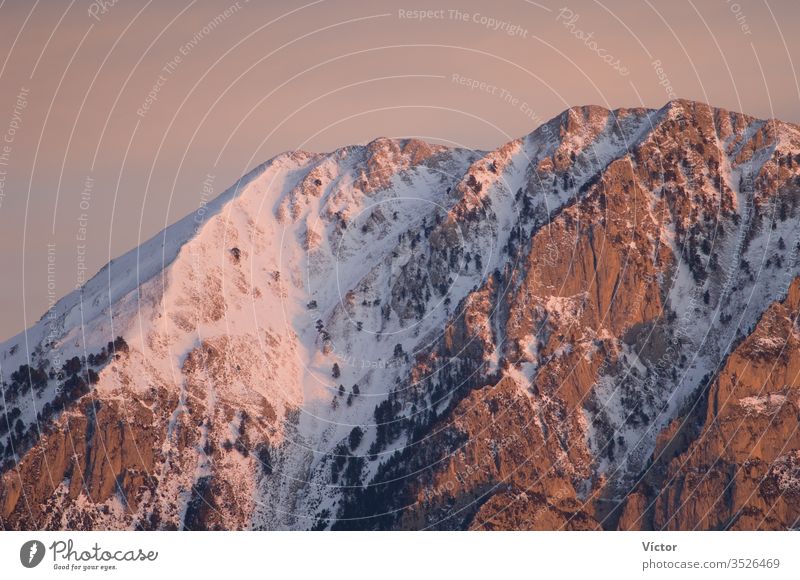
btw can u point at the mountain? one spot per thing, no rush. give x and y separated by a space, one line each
593 326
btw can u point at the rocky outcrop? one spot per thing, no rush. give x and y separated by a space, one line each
741 470
102 453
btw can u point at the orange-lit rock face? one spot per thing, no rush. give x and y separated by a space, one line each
99 451
741 469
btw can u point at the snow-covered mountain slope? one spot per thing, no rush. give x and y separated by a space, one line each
337 339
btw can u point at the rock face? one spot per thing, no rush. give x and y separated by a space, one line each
89 455
592 327
742 468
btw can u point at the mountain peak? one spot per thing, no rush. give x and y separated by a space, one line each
592 275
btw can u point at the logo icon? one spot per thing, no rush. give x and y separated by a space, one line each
31 553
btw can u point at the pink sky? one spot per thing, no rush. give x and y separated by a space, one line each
90 167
